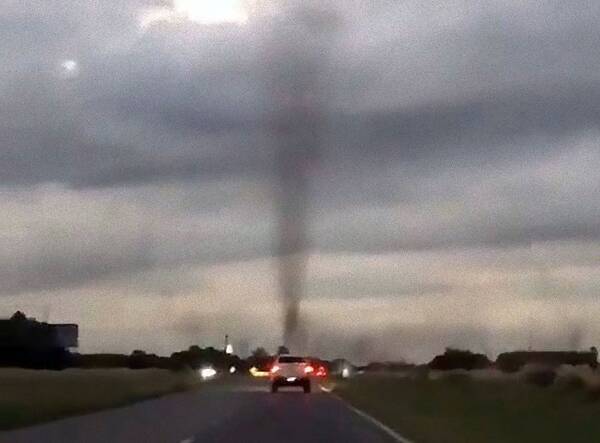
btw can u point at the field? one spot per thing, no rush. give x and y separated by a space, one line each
467 409
28 396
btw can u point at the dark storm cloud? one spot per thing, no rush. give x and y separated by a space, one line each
443 132
181 78
423 102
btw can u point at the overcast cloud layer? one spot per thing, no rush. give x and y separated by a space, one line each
455 200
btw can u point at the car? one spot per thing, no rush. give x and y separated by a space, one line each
288 370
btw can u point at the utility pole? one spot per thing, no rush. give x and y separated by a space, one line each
228 346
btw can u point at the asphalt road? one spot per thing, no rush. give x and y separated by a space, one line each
243 412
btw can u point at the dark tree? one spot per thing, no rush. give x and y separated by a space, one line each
19 316
260 353
260 358
459 359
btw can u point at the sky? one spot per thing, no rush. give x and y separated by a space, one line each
453 199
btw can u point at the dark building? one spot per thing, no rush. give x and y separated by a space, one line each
28 343
513 361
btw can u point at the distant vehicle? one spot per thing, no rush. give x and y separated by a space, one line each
288 370
207 372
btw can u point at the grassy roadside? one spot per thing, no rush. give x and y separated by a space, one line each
28 397
460 409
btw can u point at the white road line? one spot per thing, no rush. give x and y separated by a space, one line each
187 440
386 429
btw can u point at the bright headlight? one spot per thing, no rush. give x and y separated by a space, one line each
207 373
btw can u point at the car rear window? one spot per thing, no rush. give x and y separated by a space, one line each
291 360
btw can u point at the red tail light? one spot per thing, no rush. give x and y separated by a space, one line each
274 369
309 370
321 372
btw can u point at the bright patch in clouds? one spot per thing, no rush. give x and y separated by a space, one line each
212 11
200 11
69 68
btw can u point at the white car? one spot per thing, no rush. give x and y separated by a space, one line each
291 371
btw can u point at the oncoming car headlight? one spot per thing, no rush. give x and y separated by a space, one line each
207 373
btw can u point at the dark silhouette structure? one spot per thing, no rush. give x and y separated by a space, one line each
281 350
25 342
459 359
260 359
513 361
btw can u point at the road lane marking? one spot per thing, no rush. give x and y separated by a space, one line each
386 429
187 440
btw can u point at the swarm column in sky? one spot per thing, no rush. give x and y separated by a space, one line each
296 65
